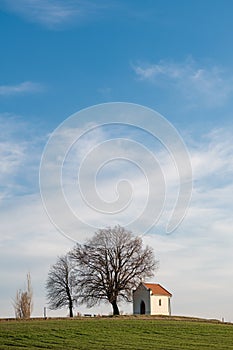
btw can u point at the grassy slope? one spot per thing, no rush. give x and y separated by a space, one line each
115 333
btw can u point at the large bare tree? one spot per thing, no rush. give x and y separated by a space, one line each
23 301
110 265
61 284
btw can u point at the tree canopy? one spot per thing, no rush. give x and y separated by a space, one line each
110 265
61 284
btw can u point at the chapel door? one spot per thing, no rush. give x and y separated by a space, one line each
142 308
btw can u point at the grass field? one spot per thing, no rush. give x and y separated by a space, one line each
115 333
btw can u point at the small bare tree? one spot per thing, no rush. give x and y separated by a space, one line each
110 265
23 301
60 285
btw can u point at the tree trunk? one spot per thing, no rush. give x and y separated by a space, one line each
71 309
115 308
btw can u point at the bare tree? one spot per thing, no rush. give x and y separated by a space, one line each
23 301
60 285
110 265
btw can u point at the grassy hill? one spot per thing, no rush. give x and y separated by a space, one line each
116 333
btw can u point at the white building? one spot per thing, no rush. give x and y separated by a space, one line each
151 299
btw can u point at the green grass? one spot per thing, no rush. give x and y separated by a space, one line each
115 333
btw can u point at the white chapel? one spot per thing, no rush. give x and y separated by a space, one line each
151 299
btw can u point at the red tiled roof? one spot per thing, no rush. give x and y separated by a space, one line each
157 289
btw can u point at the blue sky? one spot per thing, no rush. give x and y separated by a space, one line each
58 57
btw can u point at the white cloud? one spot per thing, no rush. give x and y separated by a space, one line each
28 242
47 12
18 169
20 89
53 13
12 155
213 155
200 84
195 261
105 92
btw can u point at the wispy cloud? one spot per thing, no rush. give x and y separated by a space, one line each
214 155
53 13
20 89
208 85
200 251
18 168
105 92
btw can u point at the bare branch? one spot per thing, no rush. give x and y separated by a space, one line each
23 301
